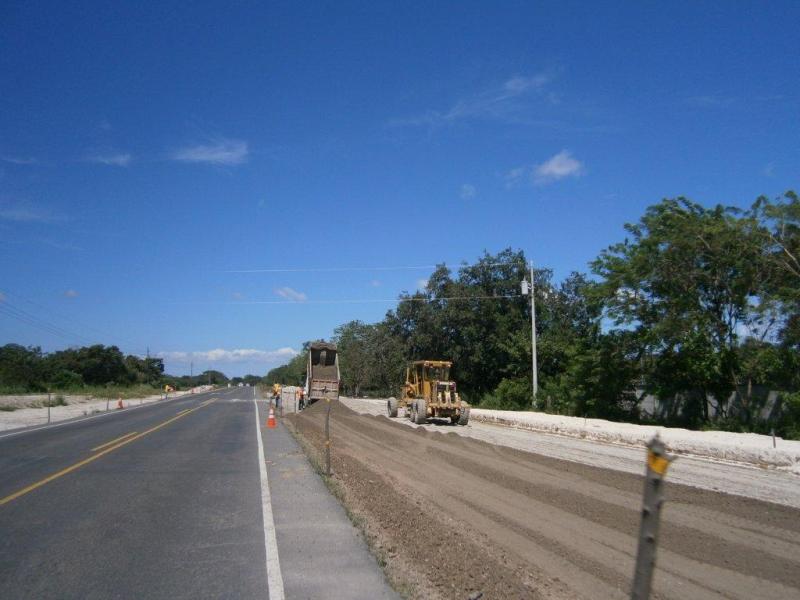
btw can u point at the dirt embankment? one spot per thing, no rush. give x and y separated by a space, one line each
453 517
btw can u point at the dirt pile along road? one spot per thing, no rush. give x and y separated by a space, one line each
453 516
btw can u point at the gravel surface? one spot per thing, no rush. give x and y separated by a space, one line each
453 516
771 485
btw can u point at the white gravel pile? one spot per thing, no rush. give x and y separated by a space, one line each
739 447
77 406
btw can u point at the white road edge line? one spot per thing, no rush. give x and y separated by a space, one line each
90 417
274 577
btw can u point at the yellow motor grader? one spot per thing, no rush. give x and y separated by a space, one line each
429 393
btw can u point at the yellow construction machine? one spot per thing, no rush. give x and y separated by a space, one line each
429 393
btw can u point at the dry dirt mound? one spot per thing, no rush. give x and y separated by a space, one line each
453 517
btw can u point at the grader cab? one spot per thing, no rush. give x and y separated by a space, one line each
429 393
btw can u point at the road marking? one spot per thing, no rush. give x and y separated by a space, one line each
105 414
92 458
274 577
122 437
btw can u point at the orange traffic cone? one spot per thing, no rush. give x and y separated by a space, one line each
119 403
271 420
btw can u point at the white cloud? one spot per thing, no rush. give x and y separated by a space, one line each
239 355
71 294
494 103
558 167
237 296
768 170
375 283
514 176
27 213
115 160
422 284
290 294
468 191
223 152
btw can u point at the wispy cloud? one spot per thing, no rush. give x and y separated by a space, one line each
560 166
495 103
422 284
468 191
239 355
222 152
557 167
2 297
27 213
237 296
114 160
710 101
71 294
290 294
768 170
375 283
18 160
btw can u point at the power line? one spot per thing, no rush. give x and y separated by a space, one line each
107 334
359 301
24 317
384 268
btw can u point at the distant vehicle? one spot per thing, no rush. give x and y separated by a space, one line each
229 385
322 373
241 384
429 392
246 385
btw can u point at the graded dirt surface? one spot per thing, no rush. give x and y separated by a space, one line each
453 516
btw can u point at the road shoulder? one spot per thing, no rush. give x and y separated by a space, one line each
322 554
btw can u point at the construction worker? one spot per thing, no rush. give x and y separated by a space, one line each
301 400
276 393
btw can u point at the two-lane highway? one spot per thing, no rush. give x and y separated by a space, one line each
186 498
161 501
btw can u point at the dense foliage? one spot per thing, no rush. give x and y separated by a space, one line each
24 370
698 307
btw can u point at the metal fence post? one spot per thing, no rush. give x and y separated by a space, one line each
328 438
657 463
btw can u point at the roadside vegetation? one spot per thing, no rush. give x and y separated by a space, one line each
99 371
699 307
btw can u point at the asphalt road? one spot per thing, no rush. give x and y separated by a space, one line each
163 501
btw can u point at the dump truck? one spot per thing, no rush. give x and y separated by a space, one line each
428 392
322 373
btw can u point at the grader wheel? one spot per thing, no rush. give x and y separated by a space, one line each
463 419
391 407
421 412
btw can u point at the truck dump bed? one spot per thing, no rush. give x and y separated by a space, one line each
323 372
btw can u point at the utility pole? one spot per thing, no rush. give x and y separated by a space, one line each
534 370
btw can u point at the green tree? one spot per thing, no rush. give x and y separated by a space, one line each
687 283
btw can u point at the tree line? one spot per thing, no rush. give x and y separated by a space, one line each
697 306
28 369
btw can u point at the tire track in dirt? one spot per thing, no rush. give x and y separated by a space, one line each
552 528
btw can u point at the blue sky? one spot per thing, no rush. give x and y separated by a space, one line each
146 152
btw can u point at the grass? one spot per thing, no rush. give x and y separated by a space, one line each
99 391
8 408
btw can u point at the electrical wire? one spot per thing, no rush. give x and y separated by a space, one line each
359 301
20 315
344 269
107 334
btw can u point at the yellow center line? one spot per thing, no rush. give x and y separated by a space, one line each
92 458
187 410
122 437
